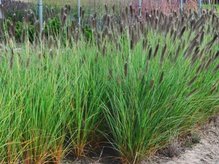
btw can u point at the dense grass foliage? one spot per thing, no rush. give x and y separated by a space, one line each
214 6
134 82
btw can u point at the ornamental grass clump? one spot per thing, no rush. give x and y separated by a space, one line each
52 107
154 97
157 98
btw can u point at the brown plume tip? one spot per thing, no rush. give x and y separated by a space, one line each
151 84
192 80
208 64
161 78
131 10
12 58
126 69
110 73
156 50
192 92
163 53
144 44
182 31
114 8
150 53
213 89
216 68
106 8
216 55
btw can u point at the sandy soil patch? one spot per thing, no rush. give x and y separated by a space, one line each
205 152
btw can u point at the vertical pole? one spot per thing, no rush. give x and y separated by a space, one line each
140 7
181 6
94 6
200 7
40 9
79 12
1 11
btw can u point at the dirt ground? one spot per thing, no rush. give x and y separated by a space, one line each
205 152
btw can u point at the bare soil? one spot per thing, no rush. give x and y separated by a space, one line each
204 152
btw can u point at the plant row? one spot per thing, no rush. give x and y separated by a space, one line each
135 84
